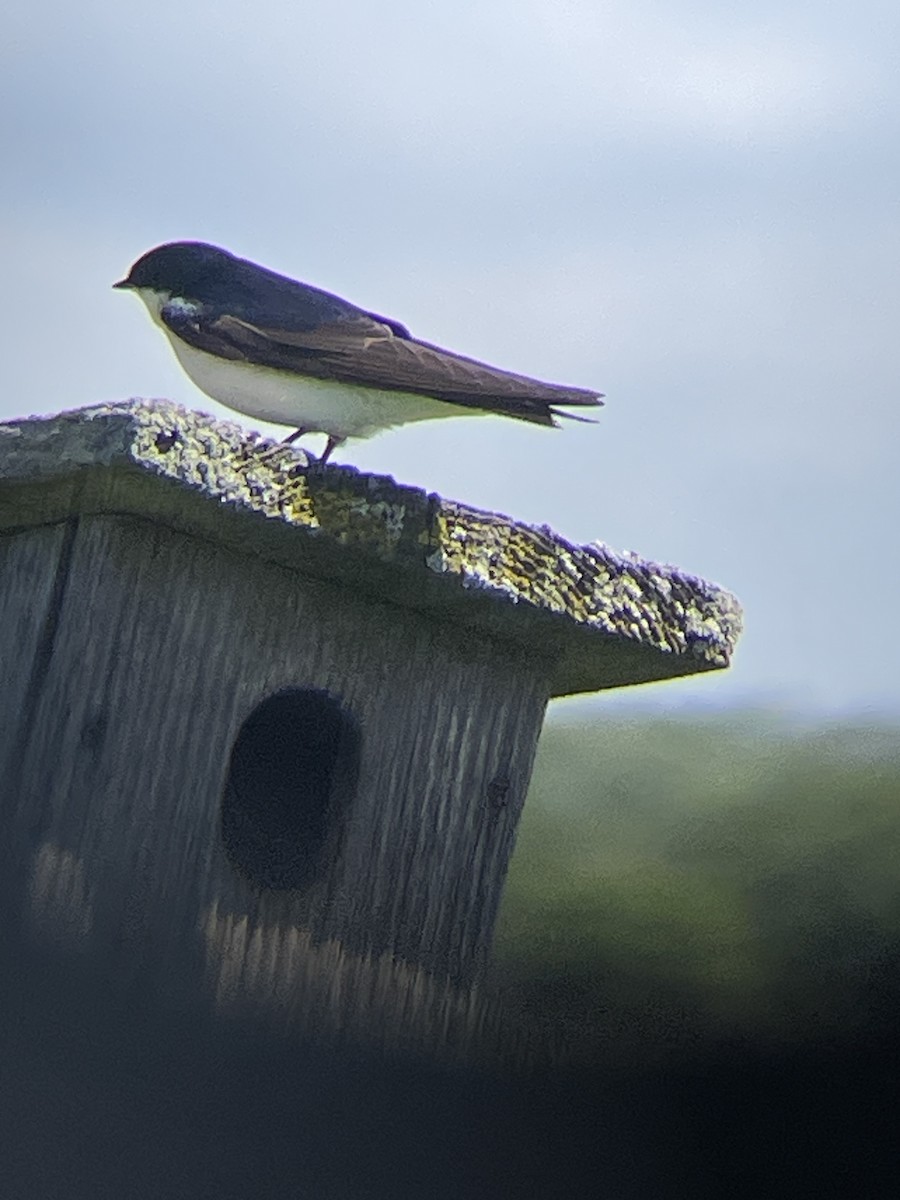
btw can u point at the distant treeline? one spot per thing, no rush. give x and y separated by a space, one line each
681 883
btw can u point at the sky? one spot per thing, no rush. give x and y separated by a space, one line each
693 207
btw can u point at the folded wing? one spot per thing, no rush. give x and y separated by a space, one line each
361 350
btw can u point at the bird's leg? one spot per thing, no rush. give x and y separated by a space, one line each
331 444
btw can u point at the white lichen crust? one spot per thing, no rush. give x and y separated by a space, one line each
600 618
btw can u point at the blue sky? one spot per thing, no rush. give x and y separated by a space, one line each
694 207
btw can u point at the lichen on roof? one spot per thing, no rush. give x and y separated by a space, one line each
606 618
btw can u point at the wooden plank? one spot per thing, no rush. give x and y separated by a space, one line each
32 571
34 568
164 644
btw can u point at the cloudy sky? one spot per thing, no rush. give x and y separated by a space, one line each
694 207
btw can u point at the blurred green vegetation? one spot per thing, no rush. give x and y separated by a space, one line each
676 882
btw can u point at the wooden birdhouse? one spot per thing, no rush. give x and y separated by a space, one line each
265 721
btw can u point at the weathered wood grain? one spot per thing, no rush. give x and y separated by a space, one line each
163 644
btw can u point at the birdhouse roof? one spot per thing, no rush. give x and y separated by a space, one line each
600 618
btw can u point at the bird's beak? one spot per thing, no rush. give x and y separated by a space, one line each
123 283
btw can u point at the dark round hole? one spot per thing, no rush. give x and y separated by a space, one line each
292 772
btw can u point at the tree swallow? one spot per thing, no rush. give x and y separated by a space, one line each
285 352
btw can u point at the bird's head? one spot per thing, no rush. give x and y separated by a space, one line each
186 269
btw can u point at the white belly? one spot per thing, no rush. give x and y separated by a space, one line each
317 405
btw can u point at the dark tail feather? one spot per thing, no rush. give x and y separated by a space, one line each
557 412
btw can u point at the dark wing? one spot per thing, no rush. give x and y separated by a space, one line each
360 349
